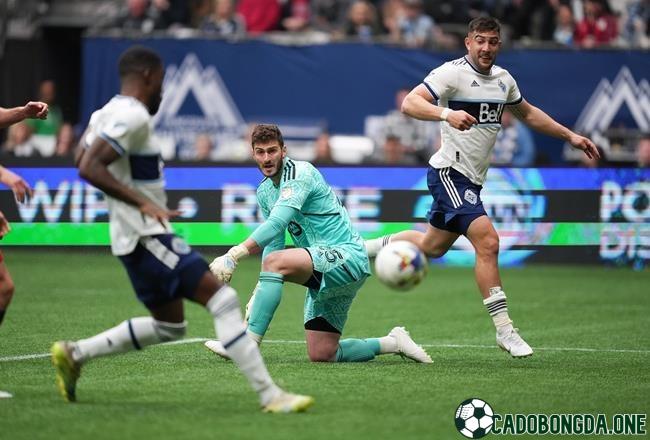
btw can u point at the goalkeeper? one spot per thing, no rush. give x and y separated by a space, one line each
329 258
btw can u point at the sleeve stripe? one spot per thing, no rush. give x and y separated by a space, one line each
115 144
434 94
516 101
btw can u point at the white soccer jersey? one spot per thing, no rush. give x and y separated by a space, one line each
125 123
459 86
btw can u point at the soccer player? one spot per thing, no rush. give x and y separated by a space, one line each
120 158
17 184
21 190
329 258
469 95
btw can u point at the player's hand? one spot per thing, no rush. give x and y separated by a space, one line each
36 110
461 120
4 225
150 209
21 189
584 144
223 267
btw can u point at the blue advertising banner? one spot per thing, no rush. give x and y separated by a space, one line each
540 214
215 87
387 178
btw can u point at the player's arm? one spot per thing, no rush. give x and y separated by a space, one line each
421 104
93 167
9 116
82 146
17 184
267 233
536 119
4 225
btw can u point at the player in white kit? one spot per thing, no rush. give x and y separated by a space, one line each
120 158
469 95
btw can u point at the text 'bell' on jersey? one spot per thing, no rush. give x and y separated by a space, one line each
125 124
321 219
459 86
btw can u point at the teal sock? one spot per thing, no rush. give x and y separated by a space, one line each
357 350
267 299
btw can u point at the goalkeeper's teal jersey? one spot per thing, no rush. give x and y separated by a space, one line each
321 220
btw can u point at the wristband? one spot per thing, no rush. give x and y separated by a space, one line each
445 113
238 252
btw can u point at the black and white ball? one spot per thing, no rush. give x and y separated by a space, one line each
474 418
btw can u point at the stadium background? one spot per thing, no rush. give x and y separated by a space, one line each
558 213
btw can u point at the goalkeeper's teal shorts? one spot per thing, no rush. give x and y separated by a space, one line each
339 273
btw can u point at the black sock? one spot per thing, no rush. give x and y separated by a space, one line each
2 315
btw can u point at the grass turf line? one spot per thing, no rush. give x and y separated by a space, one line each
182 391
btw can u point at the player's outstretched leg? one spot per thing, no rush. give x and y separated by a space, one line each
133 334
67 370
434 242
229 326
259 310
484 238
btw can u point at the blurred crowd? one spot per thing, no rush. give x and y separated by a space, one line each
390 139
415 23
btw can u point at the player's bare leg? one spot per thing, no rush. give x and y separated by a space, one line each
322 346
434 242
6 293
484 238
6 288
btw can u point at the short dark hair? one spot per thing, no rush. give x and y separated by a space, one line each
137 59
264 133
484 24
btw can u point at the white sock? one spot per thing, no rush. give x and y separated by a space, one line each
231 331
387 344
374 246
133 334
498 309
255 337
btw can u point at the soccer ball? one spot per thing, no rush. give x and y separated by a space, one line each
474 418
400 265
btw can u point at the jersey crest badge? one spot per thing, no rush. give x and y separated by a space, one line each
180 247
470 196
286 193
502 86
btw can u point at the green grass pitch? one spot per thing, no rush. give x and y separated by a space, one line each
589 326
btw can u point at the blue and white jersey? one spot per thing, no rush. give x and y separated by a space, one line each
459 86
124 122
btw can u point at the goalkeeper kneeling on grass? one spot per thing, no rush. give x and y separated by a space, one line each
329 258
